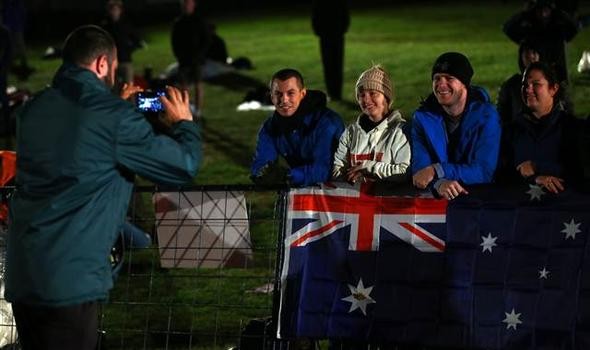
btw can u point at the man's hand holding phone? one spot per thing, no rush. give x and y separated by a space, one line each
176 105
149 101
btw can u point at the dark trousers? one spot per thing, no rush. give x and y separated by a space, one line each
52 328
332 50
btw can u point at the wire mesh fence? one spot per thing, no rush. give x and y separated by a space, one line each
193 269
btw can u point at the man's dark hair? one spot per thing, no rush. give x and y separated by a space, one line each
285 74
86 43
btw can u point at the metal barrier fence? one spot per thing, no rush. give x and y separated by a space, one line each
207 275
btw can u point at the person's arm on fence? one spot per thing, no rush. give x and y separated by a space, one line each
485 154
422 162
266 152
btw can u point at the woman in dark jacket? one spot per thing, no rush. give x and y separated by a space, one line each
541 143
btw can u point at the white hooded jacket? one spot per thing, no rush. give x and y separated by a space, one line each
384 152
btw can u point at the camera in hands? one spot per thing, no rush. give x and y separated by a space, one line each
149 101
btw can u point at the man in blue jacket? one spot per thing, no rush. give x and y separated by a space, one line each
455 132
78 147
302 130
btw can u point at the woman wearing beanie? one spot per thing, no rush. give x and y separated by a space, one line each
374 147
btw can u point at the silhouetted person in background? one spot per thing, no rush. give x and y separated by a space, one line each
191 38
510 101
126 37
542 22
217 49
330 20
569 6
14 19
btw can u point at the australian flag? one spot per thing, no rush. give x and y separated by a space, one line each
498 270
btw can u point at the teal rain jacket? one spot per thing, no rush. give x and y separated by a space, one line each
78 146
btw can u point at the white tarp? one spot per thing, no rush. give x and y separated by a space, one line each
202 229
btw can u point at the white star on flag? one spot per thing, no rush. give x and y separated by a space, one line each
544 274
359 297
571 229
512 319
488 242
535 191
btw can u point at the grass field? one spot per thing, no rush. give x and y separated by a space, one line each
404 38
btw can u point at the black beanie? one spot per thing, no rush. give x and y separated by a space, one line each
455 64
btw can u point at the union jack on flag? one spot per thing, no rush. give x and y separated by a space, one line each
338 236
323 211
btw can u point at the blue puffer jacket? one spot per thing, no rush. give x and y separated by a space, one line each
78 147
476 155
307 143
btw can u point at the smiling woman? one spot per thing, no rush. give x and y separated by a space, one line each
540 144
373 147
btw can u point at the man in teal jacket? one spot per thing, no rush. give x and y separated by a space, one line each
78 147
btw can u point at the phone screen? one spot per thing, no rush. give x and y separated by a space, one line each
149 101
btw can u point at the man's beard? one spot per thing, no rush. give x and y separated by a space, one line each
109 78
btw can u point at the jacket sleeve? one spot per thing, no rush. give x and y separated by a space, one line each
420 154
401 154
549 168
266 151
341 157
204 39
484 156
326 136
170 160
565 24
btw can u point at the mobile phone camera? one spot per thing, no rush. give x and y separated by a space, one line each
149 101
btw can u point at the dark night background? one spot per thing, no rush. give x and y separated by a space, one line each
50 19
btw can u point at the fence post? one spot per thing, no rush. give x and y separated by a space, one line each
280 213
